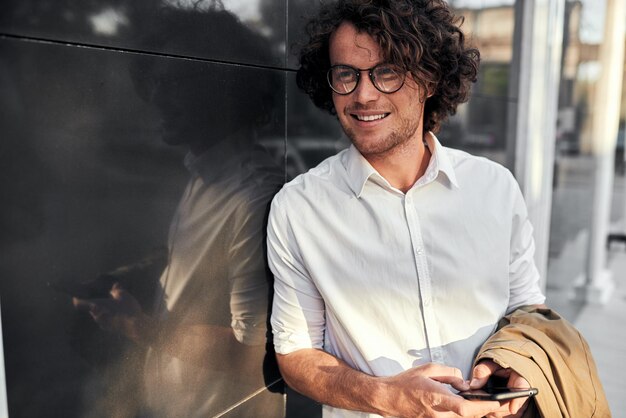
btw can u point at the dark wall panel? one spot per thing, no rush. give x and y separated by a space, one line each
312 134
92 171
228 30
300 11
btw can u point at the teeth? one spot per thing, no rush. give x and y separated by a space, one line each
370 117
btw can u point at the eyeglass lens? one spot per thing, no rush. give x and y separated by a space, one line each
385 77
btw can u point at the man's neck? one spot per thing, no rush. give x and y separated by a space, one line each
403 165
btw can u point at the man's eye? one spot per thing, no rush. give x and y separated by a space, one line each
346 75
386 72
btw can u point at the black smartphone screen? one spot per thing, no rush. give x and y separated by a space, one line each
498 394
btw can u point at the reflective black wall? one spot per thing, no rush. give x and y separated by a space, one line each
141 143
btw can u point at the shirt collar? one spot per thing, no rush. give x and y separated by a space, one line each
440 160
220 159
213 156
359 170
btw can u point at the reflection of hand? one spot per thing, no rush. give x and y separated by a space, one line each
119 313
421 392
481 374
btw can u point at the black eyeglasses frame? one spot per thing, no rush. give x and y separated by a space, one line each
370 73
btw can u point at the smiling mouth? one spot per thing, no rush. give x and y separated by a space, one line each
369 118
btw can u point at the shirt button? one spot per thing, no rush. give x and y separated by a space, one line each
419 251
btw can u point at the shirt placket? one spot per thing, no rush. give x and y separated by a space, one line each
433 338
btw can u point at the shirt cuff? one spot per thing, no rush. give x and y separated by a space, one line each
288 342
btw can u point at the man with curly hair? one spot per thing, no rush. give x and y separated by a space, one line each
395 259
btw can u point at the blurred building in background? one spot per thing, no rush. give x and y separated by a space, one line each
101 101
557 68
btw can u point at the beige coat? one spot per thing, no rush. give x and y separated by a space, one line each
552 355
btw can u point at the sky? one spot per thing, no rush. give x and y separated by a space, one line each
480 3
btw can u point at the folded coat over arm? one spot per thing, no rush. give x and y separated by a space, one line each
552 356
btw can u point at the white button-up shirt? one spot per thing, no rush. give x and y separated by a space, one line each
386 280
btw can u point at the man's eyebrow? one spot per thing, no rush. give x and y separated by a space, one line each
357 68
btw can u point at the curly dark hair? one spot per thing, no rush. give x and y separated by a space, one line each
420 36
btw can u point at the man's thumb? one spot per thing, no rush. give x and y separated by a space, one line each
480 375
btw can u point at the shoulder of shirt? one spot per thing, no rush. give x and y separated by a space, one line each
463 160
327 174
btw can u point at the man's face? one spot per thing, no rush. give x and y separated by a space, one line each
397 117
185 95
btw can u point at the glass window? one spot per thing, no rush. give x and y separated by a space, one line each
482 126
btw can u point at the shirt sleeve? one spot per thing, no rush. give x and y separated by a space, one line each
298 314
524 277
249 281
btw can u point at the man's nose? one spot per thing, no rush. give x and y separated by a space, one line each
365 91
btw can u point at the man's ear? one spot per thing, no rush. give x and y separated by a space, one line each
431 90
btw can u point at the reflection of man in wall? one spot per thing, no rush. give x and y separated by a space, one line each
207 333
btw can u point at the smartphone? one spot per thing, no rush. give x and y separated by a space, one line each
92 289
498 393
138 277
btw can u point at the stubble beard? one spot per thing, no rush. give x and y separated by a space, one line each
386 145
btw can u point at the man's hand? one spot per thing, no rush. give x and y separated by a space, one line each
515 407
207 346
421 392
417 392
119 313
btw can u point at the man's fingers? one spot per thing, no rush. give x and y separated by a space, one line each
82 304
117 291
469 408
433 370
514 408
517 404
481 373
444 374
517 381
96 308
485 368
476 408
456 382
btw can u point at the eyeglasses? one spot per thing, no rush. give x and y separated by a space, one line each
387 78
